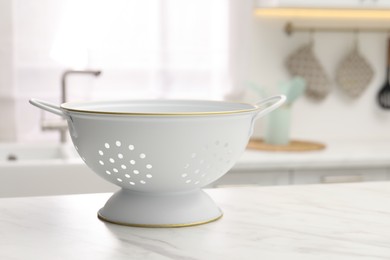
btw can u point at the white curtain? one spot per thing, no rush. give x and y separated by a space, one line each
145 48
149 48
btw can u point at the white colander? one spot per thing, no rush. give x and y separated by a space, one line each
160 152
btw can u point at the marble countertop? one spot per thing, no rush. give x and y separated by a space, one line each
334 221
337 154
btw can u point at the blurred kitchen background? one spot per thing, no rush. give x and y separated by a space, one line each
182 49
219 49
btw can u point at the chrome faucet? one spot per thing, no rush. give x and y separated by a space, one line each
69 72
62 126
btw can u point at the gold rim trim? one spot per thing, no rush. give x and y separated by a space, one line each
84 111
161 114
159 225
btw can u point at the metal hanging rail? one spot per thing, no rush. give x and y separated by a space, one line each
289 29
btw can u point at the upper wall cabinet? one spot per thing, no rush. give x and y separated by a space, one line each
352 4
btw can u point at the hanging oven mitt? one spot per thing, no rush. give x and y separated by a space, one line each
305 64
354 74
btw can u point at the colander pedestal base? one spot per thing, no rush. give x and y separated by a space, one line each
176 209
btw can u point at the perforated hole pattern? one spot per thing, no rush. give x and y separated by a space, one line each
135 170
215 158
129 166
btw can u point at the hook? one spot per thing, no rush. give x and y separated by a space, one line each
311 35
289 29
356 39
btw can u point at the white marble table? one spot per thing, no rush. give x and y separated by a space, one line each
338 221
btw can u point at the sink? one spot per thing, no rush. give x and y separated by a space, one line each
46 169
29 152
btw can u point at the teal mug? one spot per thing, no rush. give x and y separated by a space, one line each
278 126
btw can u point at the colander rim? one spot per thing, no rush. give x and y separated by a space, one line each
70 107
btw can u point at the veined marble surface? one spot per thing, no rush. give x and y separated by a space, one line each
337 221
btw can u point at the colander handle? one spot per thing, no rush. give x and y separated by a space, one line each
48 107
276 101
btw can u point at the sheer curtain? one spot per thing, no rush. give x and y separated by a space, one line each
191 49
148 48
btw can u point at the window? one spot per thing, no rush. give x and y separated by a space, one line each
147 48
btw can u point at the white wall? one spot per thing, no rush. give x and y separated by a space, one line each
7 105
338 117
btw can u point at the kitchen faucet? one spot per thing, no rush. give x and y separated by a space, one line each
69 72
62 126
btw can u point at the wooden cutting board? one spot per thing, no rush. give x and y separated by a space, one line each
293 146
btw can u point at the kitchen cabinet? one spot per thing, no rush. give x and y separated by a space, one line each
339 162
296 176
253 178
311 176
352 4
